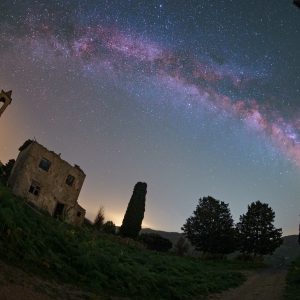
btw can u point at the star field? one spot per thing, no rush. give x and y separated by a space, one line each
194 97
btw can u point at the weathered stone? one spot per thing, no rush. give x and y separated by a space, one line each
41 177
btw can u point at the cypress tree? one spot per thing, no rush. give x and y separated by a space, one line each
132 222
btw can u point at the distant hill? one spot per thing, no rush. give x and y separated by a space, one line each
172 236
286 253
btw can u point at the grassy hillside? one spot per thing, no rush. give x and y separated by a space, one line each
106 265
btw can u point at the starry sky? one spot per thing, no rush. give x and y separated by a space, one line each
193 97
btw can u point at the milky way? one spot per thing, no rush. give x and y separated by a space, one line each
237 63
109 48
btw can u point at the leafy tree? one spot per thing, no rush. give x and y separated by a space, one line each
155 242
210 229
109 227
181 246
256 231
99 220
5 170
132 222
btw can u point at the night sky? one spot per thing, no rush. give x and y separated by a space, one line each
195 98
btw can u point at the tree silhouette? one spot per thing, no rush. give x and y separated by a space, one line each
132 222
109 227
210 229
256 232
6 170
99 220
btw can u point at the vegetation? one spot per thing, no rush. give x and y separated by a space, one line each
155 242
109 227
256 232
293 281
132 222
210 229
104 264
181 246
99 220
5 170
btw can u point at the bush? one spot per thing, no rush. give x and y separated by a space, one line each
182 246
109 227
155 242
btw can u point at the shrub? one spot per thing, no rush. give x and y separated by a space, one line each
155 242
109 227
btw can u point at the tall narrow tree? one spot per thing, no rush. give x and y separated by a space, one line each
132 222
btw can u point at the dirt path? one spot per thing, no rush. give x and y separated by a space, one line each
265 285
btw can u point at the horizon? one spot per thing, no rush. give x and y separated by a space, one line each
180 96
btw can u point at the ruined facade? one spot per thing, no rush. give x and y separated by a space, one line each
5 100
41 177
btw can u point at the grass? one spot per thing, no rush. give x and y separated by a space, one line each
293 281
103 264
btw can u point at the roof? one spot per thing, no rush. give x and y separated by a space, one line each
28 142
25 145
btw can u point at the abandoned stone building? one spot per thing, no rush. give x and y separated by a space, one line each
41 177
5 100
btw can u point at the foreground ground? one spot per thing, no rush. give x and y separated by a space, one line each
17 284
266 284
293 281
61 257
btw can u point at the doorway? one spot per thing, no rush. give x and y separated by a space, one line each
59 210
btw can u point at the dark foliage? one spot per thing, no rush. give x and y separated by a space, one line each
132 222
182 246
99 220
256 232
5 170
210 229
109 227
155 242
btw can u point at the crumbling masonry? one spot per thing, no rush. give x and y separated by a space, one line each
41 177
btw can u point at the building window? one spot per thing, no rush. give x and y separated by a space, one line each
70 180
34 188
78 214
45 164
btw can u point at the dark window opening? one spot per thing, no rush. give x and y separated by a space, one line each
45 164
59 210
70 180
34 188
78 214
